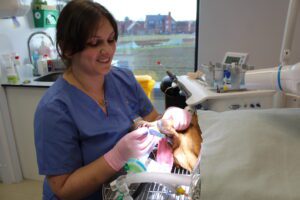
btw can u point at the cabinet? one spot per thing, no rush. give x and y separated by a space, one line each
22 102
14 8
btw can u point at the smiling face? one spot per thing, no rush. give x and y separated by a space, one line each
96 57
83 29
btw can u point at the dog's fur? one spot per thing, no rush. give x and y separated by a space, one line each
187 147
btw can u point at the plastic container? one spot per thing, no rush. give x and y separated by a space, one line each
17 66
35 58
147 83
42 65
236 77
218 75
209 73
9 69
26 73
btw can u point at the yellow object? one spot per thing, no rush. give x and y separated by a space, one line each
180 191
147 83
225 88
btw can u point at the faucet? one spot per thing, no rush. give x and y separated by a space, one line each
30 37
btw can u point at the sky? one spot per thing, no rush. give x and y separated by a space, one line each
138 9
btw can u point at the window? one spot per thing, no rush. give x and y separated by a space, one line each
155 36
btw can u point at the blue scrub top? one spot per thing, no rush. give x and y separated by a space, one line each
71 130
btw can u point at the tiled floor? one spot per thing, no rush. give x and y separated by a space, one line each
25 190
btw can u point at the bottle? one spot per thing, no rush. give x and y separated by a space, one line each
51 66
236 76
44 48
27 73
11 73
35 58
227 75
17 66
43 65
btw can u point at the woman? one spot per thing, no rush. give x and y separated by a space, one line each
83 122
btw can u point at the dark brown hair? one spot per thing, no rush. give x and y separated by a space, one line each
77 22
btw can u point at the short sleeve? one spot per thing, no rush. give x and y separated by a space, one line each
56 140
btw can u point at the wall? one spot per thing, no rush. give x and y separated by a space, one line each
252 26
14 39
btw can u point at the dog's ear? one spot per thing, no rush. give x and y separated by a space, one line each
187 153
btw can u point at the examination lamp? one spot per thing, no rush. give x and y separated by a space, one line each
285 77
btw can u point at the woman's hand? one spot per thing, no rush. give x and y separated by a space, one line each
180 118
133 145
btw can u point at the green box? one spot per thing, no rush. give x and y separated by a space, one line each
45 18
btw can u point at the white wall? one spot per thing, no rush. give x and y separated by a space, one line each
252 26
14 39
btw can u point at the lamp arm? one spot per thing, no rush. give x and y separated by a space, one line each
289 29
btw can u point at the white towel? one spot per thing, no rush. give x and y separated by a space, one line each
249 155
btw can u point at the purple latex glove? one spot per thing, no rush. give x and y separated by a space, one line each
133 145
180 118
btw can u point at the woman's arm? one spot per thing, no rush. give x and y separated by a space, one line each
87 179
152 116
81 182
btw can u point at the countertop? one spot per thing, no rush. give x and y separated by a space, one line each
33 83
30 83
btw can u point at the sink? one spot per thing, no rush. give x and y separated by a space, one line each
49 77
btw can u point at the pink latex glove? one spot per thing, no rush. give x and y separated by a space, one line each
133 145
180 118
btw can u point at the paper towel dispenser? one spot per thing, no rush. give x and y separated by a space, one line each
14 8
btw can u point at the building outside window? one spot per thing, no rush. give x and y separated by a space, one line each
155 36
